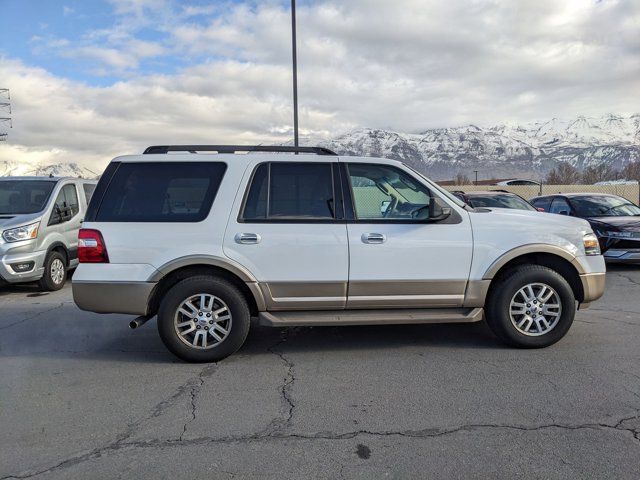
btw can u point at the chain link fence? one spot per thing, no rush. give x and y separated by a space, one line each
630 191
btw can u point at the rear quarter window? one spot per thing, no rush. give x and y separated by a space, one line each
161 192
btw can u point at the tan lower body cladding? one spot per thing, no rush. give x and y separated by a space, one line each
370 294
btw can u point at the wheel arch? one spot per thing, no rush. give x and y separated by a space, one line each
549 256
180 269
61 248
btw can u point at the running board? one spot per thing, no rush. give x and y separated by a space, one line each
370 317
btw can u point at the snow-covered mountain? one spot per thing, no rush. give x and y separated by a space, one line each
22 168
506 150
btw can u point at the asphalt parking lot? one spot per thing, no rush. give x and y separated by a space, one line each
83 396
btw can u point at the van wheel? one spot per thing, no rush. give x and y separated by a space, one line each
531 307
55 272
203 319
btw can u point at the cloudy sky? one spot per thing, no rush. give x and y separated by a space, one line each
91 79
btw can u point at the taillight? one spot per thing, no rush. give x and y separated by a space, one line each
91 247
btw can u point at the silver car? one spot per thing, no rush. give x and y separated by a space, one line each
39 222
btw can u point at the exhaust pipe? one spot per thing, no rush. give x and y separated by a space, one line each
138 322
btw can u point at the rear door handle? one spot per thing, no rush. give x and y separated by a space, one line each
247 238
373 238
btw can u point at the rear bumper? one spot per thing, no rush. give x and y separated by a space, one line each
113 297
592 286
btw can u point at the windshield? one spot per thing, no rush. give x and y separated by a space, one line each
499 201
19 197
603 206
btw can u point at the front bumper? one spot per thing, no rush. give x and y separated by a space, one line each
9 275
622 255
592 286
113 297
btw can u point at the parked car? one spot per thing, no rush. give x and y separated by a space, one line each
494 199
39 222
206 242
615 220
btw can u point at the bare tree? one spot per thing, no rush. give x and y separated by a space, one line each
563 174
631 171
461 179
599 173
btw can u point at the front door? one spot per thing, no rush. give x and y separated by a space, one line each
399 257
289 232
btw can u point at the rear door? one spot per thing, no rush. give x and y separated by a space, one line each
398 257
288 230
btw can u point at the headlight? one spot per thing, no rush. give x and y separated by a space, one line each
21 233
591 245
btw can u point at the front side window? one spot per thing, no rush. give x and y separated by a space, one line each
543 203
381 192
161 192
290 191
66 205
20 197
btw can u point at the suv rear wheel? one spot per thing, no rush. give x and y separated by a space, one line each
55 272
203 319
531 306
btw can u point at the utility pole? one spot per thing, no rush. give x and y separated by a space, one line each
5 108
295 73
476 172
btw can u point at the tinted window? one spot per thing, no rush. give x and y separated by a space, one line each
500 201
558 205
24 196
604 206
543 203
161 192
66 205
386 193
288 190
89 188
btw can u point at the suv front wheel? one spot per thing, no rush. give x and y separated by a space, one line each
531 306
203 319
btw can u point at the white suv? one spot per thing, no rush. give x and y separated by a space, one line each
206 242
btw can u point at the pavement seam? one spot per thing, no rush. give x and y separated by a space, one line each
62 304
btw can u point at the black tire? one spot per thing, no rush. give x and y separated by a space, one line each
218 287
499 300
47 283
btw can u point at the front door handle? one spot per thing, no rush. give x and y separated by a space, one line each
247 238
373 238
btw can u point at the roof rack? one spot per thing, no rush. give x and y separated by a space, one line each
237 148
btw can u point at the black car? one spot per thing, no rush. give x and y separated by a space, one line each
494 199
615 220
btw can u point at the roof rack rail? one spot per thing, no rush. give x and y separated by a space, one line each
237 148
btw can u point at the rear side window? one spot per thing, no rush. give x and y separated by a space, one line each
543 203
161 192
290 191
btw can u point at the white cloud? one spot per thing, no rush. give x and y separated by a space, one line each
405 65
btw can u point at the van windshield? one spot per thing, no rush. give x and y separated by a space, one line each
19 197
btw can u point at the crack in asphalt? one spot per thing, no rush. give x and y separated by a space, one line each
62 304
627 277
280 423
121 443
194 390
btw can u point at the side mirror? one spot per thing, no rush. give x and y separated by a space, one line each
540 209
384 206
437 212
563 212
